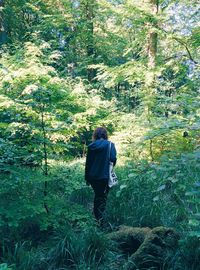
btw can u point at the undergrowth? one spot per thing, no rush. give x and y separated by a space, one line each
149 195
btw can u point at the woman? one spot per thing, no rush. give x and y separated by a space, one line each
100 153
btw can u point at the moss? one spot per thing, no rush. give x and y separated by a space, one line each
129 239
146 247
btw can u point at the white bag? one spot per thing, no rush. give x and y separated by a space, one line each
112 181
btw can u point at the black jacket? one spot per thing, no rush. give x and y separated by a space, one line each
97 160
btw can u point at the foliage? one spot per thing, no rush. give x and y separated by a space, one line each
68 67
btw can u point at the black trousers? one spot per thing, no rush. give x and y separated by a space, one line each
101 190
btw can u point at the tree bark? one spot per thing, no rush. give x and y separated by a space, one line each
152 49
89 6
153 38
45 159
3 35
152 53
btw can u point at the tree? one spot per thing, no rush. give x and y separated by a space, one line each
2 24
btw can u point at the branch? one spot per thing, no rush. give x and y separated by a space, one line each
173 57
187 49
182 43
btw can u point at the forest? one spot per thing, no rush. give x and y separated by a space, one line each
66 68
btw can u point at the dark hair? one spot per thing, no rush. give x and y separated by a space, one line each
100 133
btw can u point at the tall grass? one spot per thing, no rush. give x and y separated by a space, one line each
153 194
149 194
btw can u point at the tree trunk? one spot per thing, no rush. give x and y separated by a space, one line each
45 159
152 52
89 6
153 38
152 49
3 36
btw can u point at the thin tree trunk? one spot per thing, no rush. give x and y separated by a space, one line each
91 73
152 49
153 38
152 53
45 159
3 35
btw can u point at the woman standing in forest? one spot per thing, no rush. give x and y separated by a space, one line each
100 153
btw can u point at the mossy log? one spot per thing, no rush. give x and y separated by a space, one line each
147 248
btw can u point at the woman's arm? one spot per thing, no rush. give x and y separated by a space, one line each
87 167
113 154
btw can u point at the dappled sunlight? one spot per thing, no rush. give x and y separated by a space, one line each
130 68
